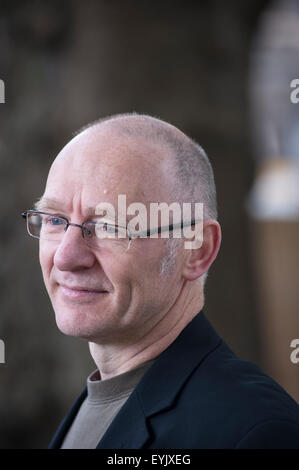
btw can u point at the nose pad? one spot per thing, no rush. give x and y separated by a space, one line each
82 229
69 237
129 244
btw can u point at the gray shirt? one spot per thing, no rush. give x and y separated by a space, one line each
104 400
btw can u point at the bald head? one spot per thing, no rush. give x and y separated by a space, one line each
115 163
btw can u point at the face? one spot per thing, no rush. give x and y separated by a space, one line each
106 294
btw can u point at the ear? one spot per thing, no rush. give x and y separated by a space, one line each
198 260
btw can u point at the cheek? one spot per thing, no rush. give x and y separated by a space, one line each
139 271
119 271
46 262
128 276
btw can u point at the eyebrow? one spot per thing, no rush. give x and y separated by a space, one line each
54 204
47 203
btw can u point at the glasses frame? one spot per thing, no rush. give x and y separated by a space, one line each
144 234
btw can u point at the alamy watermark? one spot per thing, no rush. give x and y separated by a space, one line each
294 95
2 352
295 353
182 220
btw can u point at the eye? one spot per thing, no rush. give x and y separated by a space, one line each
89 229
105 230
53 221
56 221
109 228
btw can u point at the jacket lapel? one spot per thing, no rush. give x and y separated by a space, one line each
160 386
128 430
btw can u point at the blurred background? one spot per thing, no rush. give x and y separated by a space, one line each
221 72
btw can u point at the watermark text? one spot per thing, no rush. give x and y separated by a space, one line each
2 92
2 352
295 353
162 219
294 95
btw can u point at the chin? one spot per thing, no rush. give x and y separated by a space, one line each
72 326
84 324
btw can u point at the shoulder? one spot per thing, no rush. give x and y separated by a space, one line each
271 434
238 400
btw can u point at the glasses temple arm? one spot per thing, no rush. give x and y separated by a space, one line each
171 227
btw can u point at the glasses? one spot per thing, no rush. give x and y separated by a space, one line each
97 234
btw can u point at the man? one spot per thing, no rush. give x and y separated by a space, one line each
164 378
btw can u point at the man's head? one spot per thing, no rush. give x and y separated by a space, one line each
106 294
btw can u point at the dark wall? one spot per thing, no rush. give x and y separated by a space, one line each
66 63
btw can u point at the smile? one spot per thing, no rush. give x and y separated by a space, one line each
80 293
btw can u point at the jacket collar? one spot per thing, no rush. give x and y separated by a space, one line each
156 391
160 385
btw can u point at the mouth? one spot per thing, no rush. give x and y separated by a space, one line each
81 293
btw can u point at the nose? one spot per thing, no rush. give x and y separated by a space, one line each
72 253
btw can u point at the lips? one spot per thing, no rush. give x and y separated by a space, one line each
81 294
82 288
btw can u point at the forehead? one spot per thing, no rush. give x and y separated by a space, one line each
97 166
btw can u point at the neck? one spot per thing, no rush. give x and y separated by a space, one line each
115 359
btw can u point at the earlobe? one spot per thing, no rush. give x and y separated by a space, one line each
199 260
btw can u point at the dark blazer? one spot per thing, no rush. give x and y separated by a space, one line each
199 395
